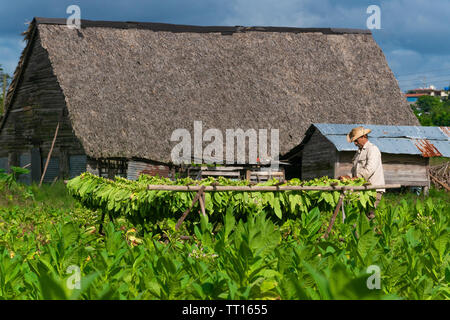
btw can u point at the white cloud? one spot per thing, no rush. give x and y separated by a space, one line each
414 69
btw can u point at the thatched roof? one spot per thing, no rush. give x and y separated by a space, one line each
129 85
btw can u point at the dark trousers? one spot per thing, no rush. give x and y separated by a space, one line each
378 199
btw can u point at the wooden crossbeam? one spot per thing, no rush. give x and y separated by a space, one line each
267 173
220 173
49 155
333 218
221 168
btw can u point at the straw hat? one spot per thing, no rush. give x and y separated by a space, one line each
356 133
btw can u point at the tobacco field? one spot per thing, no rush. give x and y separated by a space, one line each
249 245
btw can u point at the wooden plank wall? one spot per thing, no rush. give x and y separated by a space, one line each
318 157
408 170
136 168
38 106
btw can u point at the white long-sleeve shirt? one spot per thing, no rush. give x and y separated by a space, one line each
367 164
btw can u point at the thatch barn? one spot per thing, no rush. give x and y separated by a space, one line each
119 89
405 151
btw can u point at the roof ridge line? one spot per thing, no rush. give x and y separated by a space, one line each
158 26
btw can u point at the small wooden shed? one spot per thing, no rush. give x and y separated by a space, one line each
405 151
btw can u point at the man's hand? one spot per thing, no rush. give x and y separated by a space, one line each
342 178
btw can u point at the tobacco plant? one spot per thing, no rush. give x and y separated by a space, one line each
228 257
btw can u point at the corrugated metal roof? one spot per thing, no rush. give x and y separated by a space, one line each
426 141
446 130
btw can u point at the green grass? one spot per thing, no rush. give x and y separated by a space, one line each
44 233
55 195
392 198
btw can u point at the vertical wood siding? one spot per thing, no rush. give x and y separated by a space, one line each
37 107
52 169
4 164
318 157
77 165
25 159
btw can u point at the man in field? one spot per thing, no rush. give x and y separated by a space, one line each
367 162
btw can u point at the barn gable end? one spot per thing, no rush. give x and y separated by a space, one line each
36 105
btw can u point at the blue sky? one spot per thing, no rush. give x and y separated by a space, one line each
414 34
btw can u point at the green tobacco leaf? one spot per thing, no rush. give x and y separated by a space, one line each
50 288
345 285
366 243
441 245
217 198
363 225
291 288
320 281
328 198
419 206
430 205
277 207
363 199
413 237
70 234
336 196
230 222
293 203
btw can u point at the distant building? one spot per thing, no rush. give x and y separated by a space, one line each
413 95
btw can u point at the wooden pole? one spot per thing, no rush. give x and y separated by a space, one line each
202 202
49 155
197 188
343 211
196 198
333 218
